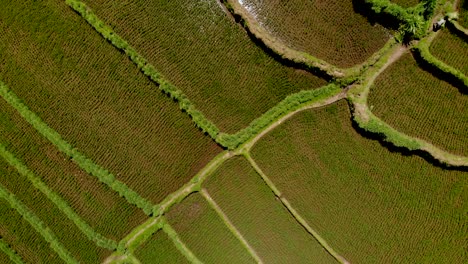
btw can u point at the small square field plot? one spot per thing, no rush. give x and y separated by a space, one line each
417 103
204 233
97 99
160 249
451 49
68 234
329 30
22 238
371 205
207 55
260 217
463 13
92 200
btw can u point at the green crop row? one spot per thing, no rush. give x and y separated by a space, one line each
99 239
149 70
422 49
290 103
11 253
38 225
83 162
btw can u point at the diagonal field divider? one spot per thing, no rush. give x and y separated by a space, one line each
5 248
38 225
81 160
61 204
172 234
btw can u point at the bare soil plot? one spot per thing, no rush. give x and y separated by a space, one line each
200 49
451 49
417 103
370 204
159 249
205 234
97 99
329 30
260 217
103 209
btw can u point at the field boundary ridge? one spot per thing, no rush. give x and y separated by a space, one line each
10 252
38 225
58 201
81 160
179 244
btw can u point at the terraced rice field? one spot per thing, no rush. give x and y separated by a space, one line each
405 3
451 49
370 204
159 248
203 231
415 102
329 30
95 202
73 239
17 232
463 13
200 49
263 221
97 100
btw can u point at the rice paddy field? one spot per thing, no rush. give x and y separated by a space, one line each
416 103
451 49
463 13
206 54
370 204
329 30
263 221
203 231
159 249
97 100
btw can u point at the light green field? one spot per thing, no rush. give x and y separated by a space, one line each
370 204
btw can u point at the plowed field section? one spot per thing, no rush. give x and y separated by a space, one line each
17 232
329 30
371 205
205 234
416 103
97 99
160 249
199 48
452 50
260 218
102 208
69 235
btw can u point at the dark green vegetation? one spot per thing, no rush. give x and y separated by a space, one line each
200 229
406 3
206 55
97 100
260 217
451 49
362 198
463 13
415 102
159 249
331 30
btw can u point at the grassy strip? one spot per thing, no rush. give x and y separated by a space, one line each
141 234
83 162
149 70
62 205
459 29
290 103
38 225
178 243
14 257
422 50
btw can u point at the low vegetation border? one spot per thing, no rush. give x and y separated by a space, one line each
38 225
303 59
14 257
81 160
459 29
61 204
172 234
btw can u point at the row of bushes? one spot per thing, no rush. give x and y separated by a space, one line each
184 103
290 103
38 225
62 205
81 160
11 253
422 50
